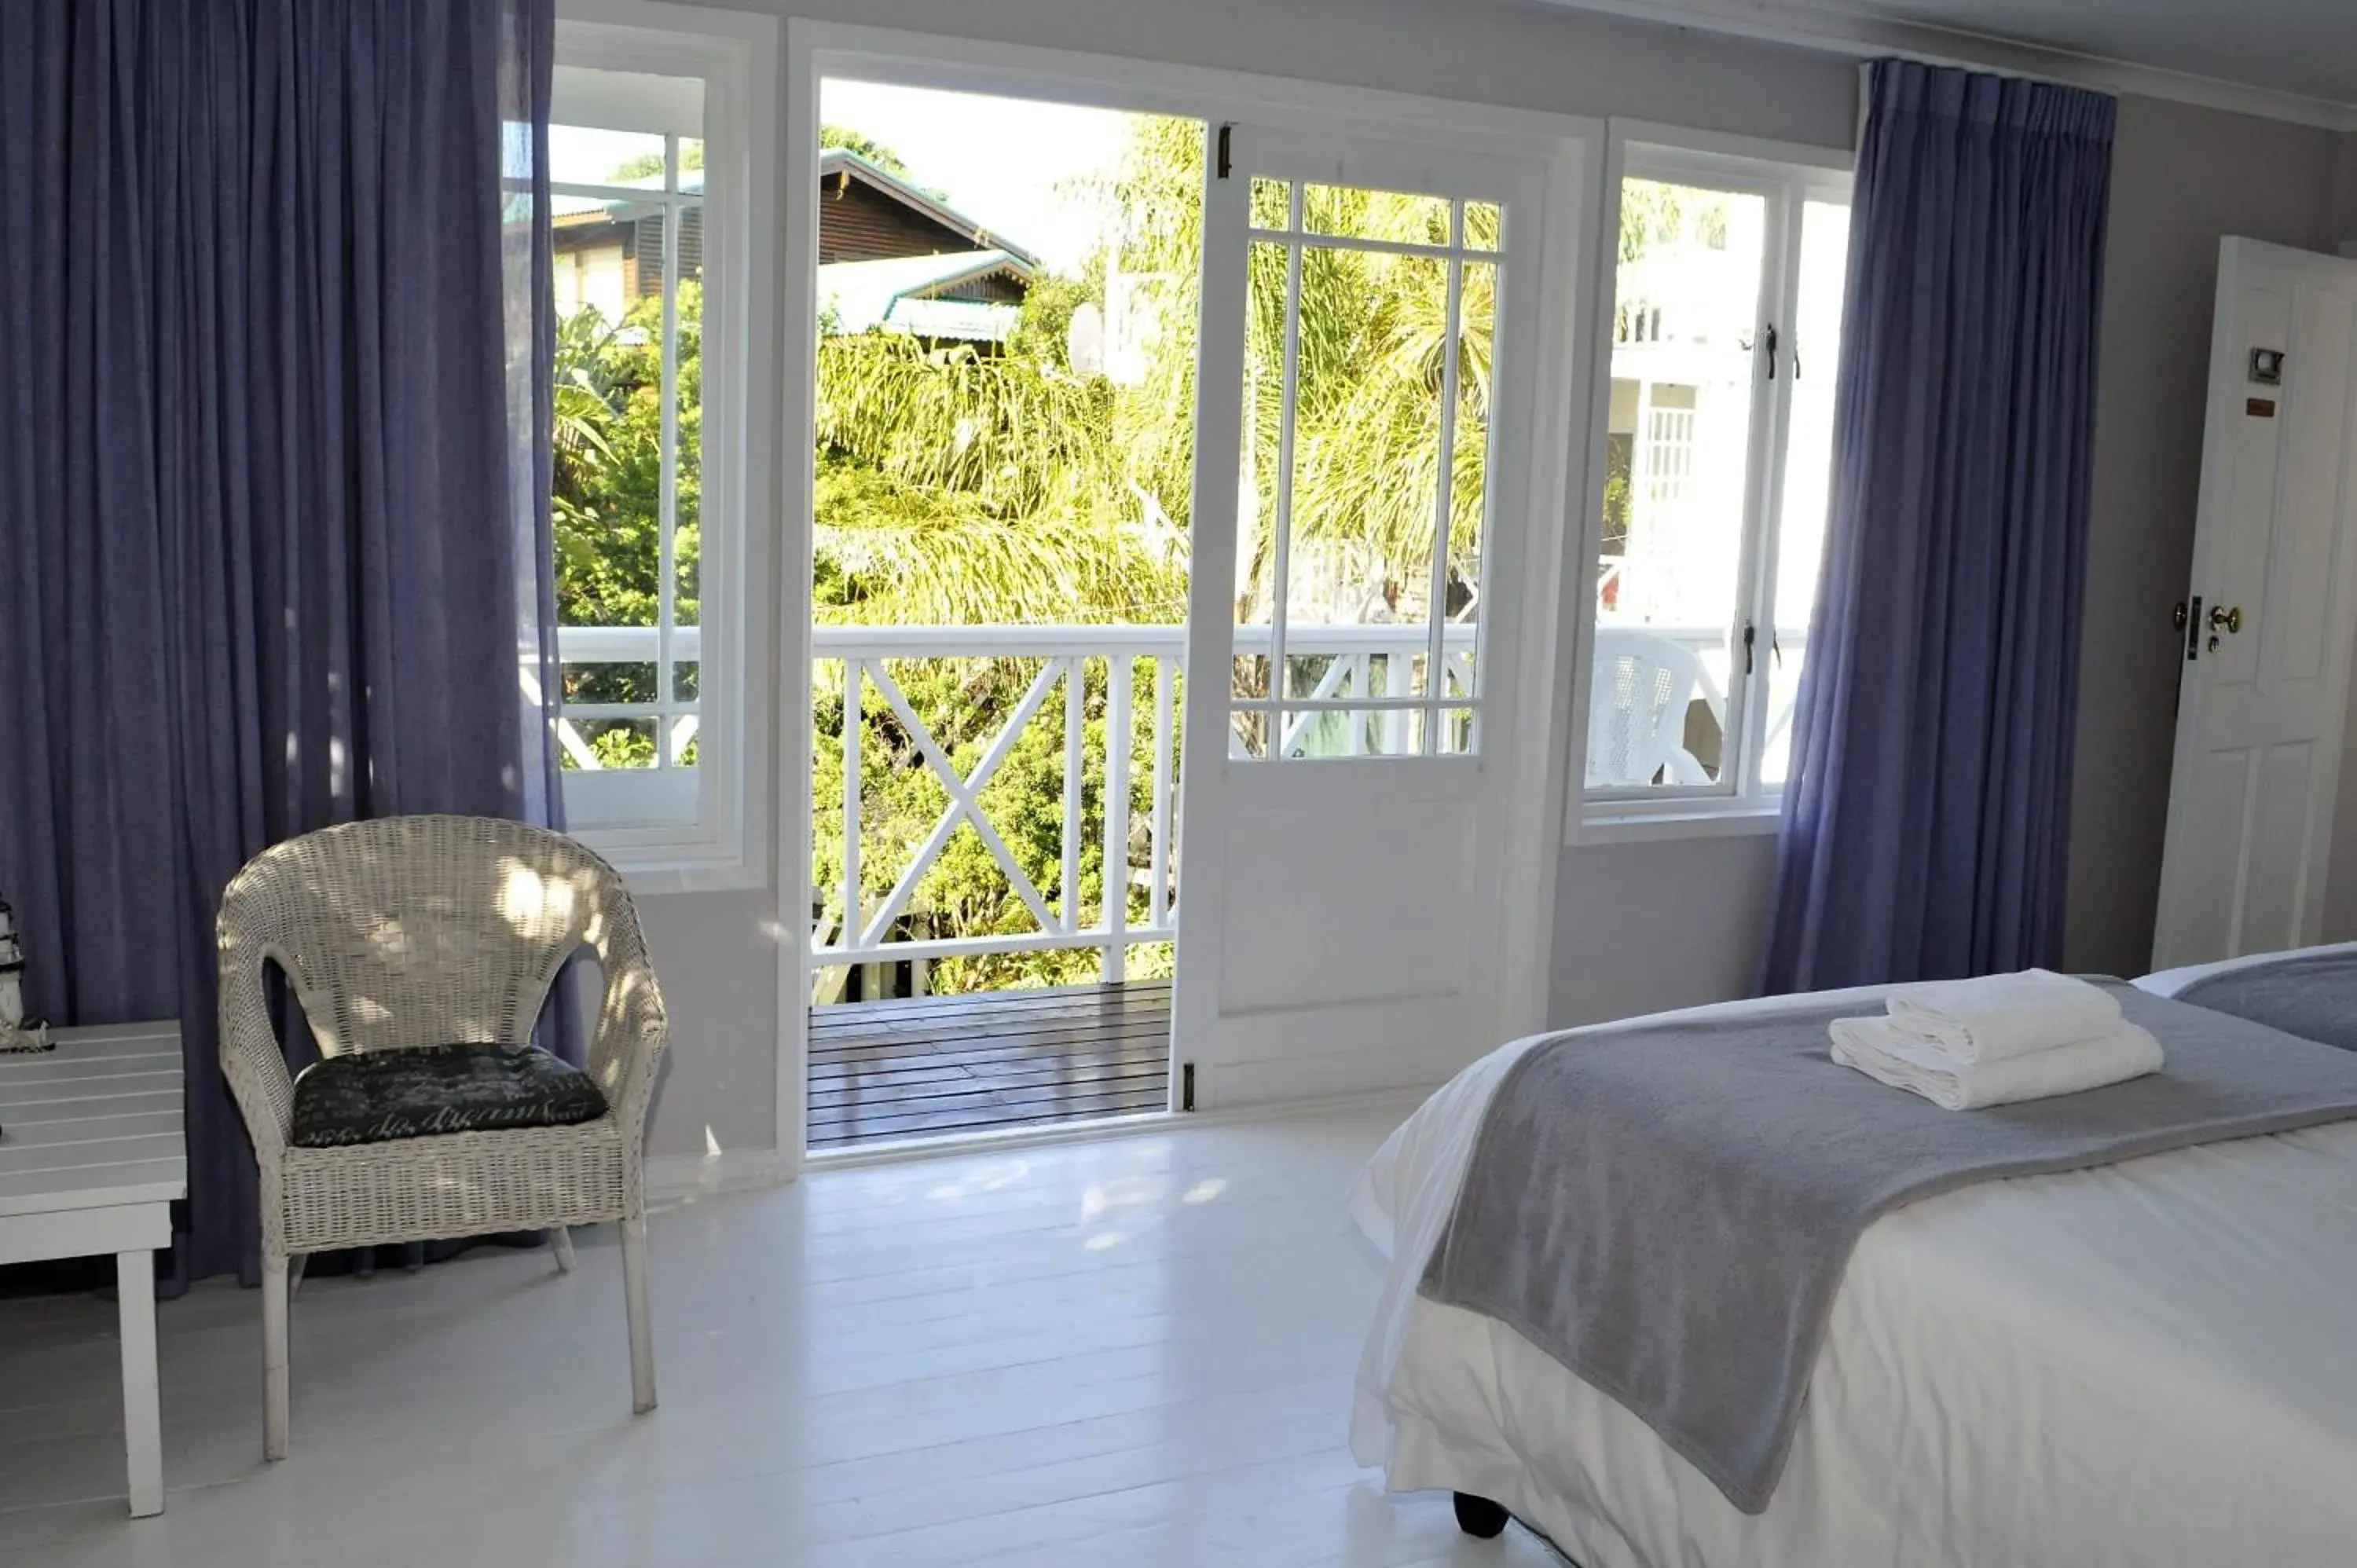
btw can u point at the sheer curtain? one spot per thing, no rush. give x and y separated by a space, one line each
1925 825
273 538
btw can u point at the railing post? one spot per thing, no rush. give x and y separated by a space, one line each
1158 895
1073 779
853 913
1116 816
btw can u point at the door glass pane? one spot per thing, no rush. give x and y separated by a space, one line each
1469 476
1261 459
1374 214
1677 463
1271 204
1808 468
1358 401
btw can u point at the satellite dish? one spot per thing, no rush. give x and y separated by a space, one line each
1084 340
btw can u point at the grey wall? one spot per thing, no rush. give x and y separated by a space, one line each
2181 179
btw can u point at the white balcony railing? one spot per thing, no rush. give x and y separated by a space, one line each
1367 662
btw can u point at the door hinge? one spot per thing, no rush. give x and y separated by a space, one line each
1227 162
1186 1086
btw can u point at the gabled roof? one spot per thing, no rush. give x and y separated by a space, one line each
898 292
836 162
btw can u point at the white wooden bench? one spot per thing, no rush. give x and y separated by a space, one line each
92 1154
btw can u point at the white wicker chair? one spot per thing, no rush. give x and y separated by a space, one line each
429 931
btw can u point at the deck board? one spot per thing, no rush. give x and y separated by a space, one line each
925 1066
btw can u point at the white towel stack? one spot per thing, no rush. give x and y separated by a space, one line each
1968 1044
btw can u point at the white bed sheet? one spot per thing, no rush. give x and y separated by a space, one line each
2150 1364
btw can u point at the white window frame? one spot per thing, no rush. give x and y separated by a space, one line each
706 827
1789 175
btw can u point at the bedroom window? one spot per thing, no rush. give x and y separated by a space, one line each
651 196
1724 337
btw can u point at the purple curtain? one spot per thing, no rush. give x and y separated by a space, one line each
273 541
1925 824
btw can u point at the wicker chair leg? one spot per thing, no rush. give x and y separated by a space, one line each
634 1286
274 1357
560 1242
294 1274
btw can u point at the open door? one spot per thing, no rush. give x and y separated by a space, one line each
1365 428
2267 621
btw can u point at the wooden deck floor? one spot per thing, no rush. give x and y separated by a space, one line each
932 1065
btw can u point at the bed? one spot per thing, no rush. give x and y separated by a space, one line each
2150 1363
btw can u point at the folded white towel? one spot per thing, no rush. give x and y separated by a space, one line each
1877 1047
2002 1016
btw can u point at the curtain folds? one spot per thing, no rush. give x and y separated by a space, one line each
273 539
1925 825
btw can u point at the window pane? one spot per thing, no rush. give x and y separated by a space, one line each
615 743
1482 223
1678 459
1808 468
685 681
582 154
691 163
592 684
1374 214
687 543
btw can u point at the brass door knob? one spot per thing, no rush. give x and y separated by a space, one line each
2227 620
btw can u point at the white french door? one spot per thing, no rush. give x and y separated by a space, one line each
1368 371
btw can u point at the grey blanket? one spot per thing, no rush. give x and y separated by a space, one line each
2313 995
1667 1210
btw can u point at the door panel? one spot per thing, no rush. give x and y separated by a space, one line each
2264 661
1388 930
1370 313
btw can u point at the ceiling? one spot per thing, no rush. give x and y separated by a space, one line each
2304 47
2293 59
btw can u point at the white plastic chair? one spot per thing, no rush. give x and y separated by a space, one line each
1639 685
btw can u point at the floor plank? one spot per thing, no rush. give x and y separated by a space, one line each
920 1067
1131 1351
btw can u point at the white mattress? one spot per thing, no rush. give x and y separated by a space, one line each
2150 1364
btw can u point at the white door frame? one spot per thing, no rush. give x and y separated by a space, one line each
1572 150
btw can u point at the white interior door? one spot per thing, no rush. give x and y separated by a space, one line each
2264 695
1364 429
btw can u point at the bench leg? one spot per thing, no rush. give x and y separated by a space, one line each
143 1427
274 1357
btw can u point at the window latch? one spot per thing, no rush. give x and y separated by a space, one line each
1768 341
1750 636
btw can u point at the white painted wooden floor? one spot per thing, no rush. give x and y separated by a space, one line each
1126 1353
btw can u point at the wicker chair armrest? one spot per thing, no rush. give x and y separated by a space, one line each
254 1064
633 1029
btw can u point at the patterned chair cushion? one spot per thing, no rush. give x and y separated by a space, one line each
375 1097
